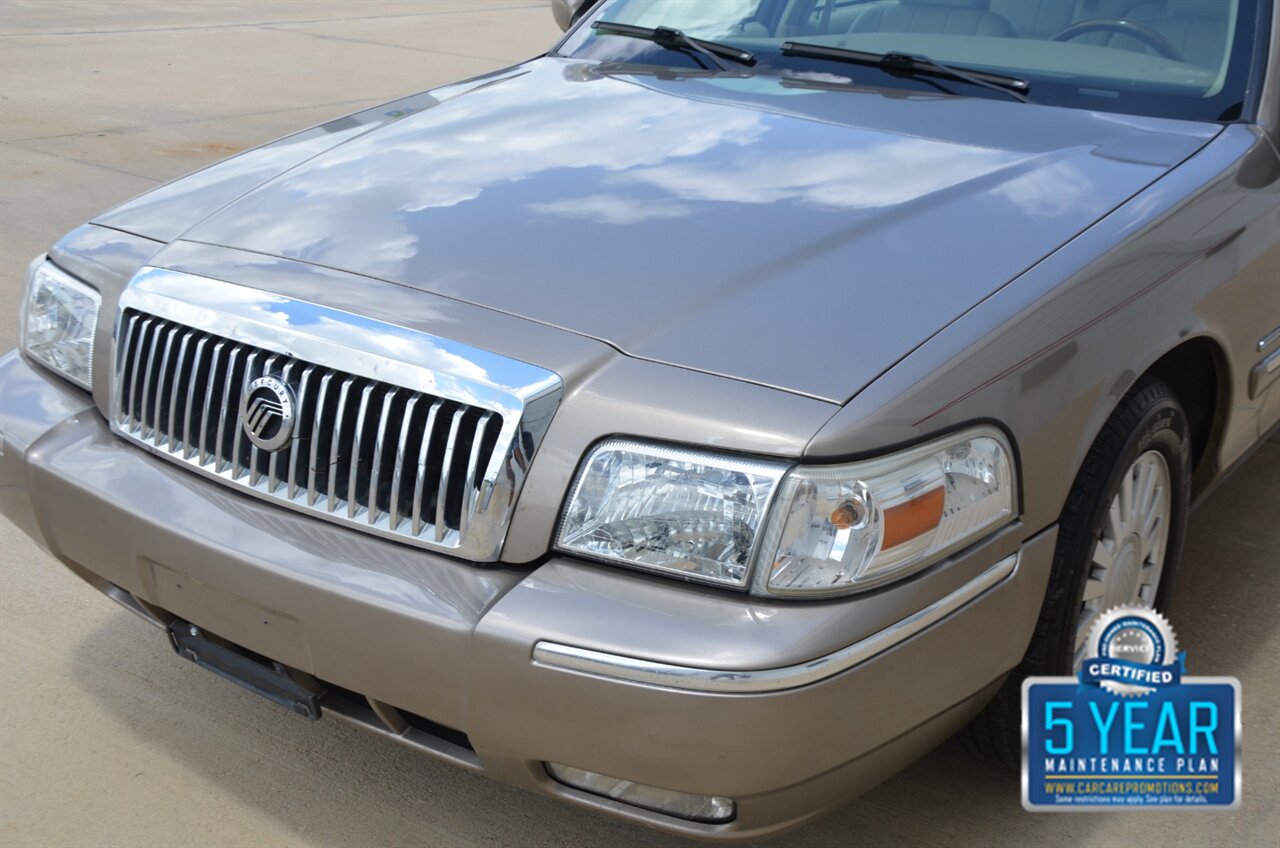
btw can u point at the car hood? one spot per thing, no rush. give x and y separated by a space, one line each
790 232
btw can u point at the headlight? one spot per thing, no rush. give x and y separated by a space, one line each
784 530
694 515
59 316
845 528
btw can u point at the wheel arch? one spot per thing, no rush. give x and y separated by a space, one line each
1198 373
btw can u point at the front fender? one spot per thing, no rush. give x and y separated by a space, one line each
1052 353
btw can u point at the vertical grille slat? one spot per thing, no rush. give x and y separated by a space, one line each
135 400
238 437
318 429
255 459
175 388
157 421
123 372
469 484
358 463
193 381
335 449
215 360
297 444
388 458
147 383
420 479
397 469
226 409
273 458
442 490
375 468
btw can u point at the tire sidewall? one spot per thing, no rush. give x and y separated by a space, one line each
1162 427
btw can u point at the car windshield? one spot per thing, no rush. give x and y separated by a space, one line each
1189 59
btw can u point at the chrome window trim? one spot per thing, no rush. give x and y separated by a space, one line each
732 681
524 395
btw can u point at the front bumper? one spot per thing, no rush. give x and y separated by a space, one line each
451 645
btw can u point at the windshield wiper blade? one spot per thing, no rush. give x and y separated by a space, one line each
674 39
912 64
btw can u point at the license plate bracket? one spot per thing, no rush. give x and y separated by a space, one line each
269 679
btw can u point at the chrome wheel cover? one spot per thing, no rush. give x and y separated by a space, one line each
1128 553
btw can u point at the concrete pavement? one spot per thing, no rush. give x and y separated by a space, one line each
107 738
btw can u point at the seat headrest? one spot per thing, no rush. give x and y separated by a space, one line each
984 5
1211 9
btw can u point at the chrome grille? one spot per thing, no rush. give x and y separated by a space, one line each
403 462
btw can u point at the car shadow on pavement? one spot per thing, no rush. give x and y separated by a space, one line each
330 783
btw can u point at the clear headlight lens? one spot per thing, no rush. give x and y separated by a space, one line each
697 516
804 530
846 528
59 317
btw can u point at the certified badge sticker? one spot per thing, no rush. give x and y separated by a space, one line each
1132 652
1132 730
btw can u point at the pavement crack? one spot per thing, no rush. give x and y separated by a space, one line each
373 101
267 24
65 158
285 28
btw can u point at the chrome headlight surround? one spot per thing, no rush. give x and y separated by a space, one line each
780 530
58 321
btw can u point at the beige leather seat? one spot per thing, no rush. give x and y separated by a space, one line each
1197 28
955 17
1038 18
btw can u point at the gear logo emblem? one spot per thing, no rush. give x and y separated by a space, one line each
1131 651
266 413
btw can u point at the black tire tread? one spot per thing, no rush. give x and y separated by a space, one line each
996 732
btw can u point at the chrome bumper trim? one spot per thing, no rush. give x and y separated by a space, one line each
730 681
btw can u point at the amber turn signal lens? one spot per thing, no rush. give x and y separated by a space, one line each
918 516
840 529
848 514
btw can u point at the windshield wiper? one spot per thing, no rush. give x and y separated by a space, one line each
912 64
674 39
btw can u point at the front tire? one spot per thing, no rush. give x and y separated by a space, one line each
1119 539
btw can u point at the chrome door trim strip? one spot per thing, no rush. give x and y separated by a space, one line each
732 681
1264 374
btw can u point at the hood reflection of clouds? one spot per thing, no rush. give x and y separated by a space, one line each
161 212
684 151
887 173
611 209
451 156
627 154
561 196
1049 192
